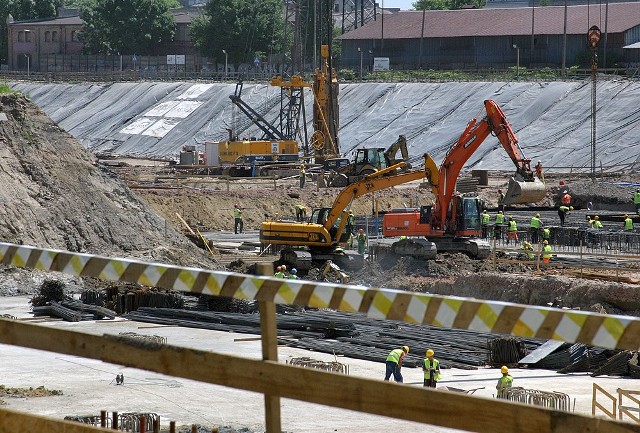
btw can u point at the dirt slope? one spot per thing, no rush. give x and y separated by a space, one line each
54 196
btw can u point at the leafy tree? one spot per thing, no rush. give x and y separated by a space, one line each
431 5
447 4
239 27
126 26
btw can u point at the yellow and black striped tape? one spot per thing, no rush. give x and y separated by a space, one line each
607 331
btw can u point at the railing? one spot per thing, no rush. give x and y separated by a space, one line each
276 380
616 403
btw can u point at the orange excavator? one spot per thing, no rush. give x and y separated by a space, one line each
453 222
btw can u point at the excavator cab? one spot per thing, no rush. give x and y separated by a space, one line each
468 214
370 160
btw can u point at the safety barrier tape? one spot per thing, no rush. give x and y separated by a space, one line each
607 331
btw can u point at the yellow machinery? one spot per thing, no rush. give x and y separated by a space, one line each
321 239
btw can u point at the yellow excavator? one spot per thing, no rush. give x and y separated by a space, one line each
311 244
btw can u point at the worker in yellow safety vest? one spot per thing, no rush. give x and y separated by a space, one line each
394 363
484 221
237 219
279 273
500 219
636 200
504 383
546 252
534 228
527 248
628 224
596 224
431 369
512 230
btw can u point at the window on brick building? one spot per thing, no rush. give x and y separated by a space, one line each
54 36
20 36
47 36
27 35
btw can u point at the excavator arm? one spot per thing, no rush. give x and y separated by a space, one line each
399 145
495 122
376 182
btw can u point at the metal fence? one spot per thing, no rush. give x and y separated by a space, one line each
548 399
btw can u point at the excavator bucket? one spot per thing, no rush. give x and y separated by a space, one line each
521 192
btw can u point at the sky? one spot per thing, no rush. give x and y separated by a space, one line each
402 4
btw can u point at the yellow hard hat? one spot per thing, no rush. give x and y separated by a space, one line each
597 217
284 267
545 242
626 216
570 207
504 369
430 353
406 349
537 215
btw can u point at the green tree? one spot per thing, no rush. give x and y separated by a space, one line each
127 26
431 5
241 28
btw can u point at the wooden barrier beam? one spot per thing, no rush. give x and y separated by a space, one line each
14 421
377 397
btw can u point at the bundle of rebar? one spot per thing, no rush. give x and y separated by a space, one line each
505 351
333 366
98 312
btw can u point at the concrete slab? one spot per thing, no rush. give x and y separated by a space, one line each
88 386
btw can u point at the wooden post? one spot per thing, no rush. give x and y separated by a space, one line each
156 425
269 332
194 428
143 424
580 258
494 250
114 423
172 427
103 418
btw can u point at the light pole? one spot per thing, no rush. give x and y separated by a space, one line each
28 65
225 63
517 60
360 51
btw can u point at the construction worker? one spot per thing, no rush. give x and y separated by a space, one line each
500 200
285 274
512 230
351 222
546 252
394 363
504 383
596 224
590 222
563 211
431 369
362 242
636 200
303 175
500 219
628 224
566 198
279 273
484 221
534 228
546 234
293 275
237 218
527 248
301 212
539 172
